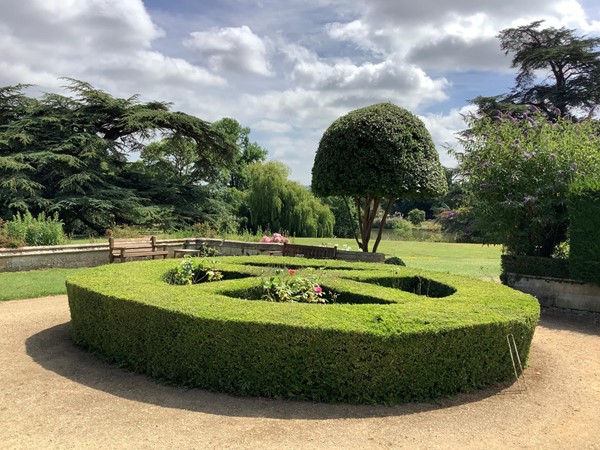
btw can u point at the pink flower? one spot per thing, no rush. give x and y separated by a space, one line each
318 289
292 271
265 239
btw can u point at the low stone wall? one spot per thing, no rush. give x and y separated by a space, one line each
44 257
91 255
558 293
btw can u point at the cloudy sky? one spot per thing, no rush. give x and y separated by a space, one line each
285 68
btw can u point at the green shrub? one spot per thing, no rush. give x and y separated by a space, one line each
40 230
395 261
416 216
584 230
7 241
459 222
536 266
402 227
188 272
377 343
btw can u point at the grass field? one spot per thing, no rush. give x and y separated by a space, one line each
472 260
34 283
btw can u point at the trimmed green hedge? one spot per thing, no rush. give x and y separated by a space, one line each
536 266
391 346
584 230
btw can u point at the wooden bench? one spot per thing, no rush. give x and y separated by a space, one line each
309 251
135 248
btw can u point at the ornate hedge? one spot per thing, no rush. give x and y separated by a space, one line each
395 334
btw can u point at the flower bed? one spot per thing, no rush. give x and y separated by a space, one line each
392 334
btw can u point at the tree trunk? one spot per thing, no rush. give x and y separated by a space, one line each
351 221
366 220
382 224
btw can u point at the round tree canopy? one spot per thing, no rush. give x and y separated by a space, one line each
381 150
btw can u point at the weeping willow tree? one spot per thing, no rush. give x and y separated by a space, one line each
278 204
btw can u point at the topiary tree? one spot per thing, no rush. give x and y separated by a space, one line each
373 155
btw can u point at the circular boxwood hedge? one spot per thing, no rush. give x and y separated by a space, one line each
395 334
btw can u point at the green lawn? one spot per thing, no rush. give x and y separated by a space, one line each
464 259
473 260
34 283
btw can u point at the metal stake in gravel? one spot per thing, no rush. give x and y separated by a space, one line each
514 351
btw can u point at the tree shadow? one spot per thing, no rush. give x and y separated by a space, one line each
54 350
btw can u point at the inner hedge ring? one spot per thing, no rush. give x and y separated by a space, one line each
414 348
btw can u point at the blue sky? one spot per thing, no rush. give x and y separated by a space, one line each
285 68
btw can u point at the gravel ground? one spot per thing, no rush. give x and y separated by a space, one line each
55 395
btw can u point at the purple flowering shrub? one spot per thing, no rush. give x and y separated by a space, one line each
459 222
517 172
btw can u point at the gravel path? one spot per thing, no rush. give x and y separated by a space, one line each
55 395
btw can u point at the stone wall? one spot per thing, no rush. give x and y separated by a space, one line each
68 256
558 293
90 255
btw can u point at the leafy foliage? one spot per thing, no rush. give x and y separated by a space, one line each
416 217
292 287
394 260
517 172
460 222
374 154
558 71
67 154
584 230
237 175
535 266
189 272
40 230
278 204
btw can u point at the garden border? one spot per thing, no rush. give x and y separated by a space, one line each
416 348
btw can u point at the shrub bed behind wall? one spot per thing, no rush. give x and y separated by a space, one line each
536 266
396 343
584 230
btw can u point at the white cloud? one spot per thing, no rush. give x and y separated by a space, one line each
75 25
154 67
457 35
105 42
271 126
344 85
235 48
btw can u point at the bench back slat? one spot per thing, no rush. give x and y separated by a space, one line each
134 247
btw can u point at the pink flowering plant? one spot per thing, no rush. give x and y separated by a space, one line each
292 286
276 238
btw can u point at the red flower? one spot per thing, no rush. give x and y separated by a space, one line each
292 271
